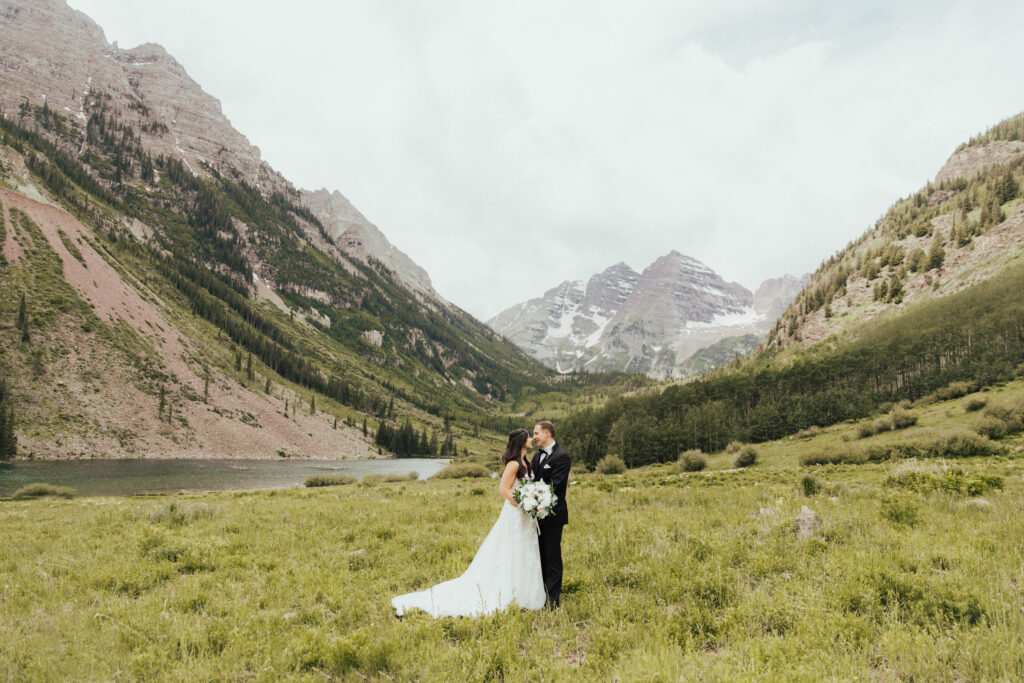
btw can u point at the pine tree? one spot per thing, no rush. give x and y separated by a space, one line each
206 387
248 367
312 404
266 387
22 313
163 402
936 254
335 422
238 361
364 425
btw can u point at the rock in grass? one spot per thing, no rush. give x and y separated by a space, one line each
807 522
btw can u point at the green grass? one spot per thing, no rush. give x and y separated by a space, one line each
668 575
41 490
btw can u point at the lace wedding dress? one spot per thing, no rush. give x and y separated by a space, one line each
505 570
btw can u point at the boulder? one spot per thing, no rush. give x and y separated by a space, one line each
807 522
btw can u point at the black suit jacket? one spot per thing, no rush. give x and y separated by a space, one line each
555 473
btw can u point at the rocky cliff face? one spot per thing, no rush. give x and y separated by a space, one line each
57 55
360 238
51 54
650 322
964 228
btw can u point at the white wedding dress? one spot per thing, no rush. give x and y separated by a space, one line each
505 570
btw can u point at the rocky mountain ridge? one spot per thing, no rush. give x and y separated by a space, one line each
650 322
955 232
57 57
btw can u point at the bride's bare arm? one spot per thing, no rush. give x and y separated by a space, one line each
508 481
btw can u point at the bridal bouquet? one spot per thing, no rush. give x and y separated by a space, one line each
535 498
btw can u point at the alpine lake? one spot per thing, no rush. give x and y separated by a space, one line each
128 477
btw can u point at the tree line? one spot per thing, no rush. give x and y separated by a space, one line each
976 335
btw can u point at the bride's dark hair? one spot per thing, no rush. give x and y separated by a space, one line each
516 440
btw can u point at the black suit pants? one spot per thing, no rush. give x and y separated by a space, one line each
550 540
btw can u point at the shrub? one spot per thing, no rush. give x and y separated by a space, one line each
848 456
746 458
462 471
953 390
974 404
407 476
733 447
964 445
865 429
922 478
901 419
991 427
811 431
330 480
372 479
899 512
810 485
692 461
39 489
1013 418
610 464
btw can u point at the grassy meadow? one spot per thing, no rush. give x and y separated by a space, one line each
669 575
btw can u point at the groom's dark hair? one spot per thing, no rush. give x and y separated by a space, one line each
548 427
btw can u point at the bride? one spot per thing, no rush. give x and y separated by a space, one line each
506 568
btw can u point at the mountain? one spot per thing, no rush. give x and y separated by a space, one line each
358 237
164 291
56 56
650 322
926 305
955 232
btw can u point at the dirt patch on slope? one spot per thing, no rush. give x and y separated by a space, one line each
100 408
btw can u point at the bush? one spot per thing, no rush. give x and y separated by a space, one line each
900 512
733 447
462 471
865 429
810 485
953 390
897 419
924 479
39 489
847 456
991 427
330 480
407 476
901 419
808 433
746 458
610 464
692 461
974 404
963 445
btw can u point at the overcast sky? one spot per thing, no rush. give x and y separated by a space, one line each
508 146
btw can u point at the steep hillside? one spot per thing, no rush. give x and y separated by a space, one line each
241 278
930 302
954 232
651 322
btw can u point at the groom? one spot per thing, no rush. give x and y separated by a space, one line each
551 465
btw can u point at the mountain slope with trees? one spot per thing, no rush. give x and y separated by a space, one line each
931 297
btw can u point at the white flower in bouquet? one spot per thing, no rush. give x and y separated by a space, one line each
535 499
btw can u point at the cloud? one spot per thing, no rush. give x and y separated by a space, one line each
509 146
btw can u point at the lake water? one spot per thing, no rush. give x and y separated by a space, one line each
129 477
